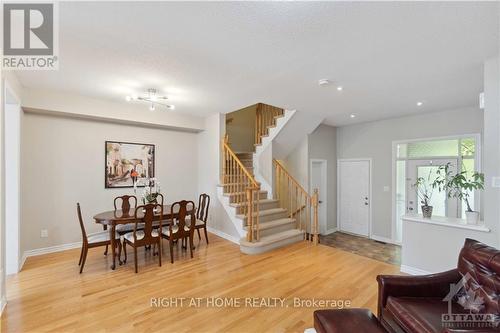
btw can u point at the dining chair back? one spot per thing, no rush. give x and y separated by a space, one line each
143 233
178 227
92 240
202 209
202 215
125 202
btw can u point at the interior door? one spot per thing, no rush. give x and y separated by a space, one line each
318 180
442 206
354 197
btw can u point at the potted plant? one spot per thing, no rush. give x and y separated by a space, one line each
424 193
460 186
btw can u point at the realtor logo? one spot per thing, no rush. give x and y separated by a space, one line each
467 293
29 36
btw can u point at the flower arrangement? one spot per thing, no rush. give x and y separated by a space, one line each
151 190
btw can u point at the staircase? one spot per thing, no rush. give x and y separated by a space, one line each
265 222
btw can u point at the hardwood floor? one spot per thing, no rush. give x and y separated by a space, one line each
50 296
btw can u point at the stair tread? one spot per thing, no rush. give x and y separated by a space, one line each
273 223
234 204
265 212
279 236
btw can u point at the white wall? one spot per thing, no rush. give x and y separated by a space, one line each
12 186
322 145
209 157
374 140
84 107
63 163
491 150
297 163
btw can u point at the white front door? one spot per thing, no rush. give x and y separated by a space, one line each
442 205
318 181
354 196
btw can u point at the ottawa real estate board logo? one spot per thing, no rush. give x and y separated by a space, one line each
30 38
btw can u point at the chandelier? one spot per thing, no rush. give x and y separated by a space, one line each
152 98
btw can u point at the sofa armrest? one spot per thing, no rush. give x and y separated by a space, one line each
479 330
433 285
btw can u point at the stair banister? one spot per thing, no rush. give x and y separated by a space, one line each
298 202
237 179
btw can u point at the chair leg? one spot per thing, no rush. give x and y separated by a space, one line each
86 250
125 251
119 252
171 245
159 252
199 235
135 258
191 245
81 256
206 234
106 251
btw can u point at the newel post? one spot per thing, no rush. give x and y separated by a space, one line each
315 216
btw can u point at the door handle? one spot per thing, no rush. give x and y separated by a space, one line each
366 203
320 201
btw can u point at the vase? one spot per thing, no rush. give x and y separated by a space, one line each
427 212
472 218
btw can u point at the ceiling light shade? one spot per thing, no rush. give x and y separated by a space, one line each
352 115
420 103
323 82
340 88
151 97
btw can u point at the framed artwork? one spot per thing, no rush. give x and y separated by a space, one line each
126 163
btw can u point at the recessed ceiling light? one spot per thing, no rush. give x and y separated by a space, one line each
420 103
352 115
340 88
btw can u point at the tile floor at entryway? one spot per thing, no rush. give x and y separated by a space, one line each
362 246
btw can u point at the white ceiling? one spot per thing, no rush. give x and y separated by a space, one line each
219 57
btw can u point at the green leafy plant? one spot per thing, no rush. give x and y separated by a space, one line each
425 189
458 185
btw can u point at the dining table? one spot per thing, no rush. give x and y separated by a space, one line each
110 219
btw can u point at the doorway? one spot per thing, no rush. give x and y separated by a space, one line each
319 181
12 151
354 196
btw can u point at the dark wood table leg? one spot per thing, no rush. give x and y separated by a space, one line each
113 245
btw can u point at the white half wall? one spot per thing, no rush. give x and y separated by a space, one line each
374 140
62 163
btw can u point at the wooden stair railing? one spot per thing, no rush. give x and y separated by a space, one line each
265 117
243 187
295 199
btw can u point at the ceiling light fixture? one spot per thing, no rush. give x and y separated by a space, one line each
323 82
420 103
340 88
352 115
151 97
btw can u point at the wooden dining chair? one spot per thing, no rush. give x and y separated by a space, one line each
178 229
202 215
93 240
146 236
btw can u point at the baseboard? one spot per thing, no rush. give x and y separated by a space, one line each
223 235
384 240
329 231
413 271
50 249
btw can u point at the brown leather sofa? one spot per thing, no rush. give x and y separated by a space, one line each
415 303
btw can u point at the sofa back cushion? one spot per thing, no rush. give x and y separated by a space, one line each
482 262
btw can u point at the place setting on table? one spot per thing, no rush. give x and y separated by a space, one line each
145 223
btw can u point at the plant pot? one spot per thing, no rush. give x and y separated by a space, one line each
427 212
472 217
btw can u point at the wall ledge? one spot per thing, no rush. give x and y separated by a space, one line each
446 222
